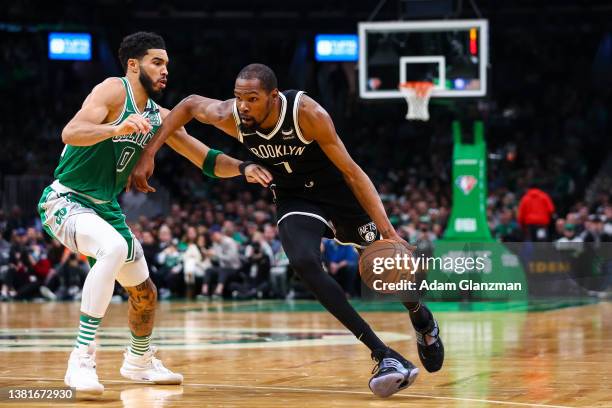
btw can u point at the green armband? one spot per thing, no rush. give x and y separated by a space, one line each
209 163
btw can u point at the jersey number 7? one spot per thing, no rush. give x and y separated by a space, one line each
287 167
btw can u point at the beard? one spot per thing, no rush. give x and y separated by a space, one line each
256 126
249 129
147 84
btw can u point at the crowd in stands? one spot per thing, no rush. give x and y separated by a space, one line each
231 249
548 129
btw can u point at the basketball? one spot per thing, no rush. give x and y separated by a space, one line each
384 265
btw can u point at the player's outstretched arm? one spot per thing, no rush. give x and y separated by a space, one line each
316 124
217 165
205 110
87 127
212 162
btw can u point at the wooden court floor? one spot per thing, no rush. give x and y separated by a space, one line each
246 355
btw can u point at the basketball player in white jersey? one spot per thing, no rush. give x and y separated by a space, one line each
103 142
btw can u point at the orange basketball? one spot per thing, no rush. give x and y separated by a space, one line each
386 266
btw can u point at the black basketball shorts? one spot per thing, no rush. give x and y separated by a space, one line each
335 206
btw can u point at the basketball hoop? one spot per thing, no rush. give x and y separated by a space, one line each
417 95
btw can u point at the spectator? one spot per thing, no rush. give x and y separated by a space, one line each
594 231
171 267
559 228
153 253
271 237
507 230
423 233
569 241
256 279
5 251
534 214
607 227
150 249
341 262
225 255
192 260
205 263
279 274
22 281
66 280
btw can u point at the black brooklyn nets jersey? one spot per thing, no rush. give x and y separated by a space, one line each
295 163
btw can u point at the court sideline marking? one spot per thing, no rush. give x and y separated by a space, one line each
296 389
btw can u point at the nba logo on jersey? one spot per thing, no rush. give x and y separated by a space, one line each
155 120
368 232
466 183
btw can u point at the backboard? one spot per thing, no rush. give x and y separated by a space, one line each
453 54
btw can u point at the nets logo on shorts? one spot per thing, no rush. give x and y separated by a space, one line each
368 232
466 183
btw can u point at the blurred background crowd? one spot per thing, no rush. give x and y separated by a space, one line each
547 130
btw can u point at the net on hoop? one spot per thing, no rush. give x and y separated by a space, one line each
417 95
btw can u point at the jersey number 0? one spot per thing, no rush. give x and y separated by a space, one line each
124 158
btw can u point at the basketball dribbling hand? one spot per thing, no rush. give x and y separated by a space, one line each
134 123
255 173
395 237
141 173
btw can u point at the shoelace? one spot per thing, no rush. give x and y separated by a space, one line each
87 361
387 363
155 362
434 332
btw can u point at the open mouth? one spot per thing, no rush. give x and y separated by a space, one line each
162 83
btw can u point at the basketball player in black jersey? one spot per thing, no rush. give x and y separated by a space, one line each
319 191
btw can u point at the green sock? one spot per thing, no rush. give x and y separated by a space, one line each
139 344
87 329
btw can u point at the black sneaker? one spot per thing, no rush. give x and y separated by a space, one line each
391 373
432 355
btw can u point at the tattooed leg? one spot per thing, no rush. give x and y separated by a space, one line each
141 312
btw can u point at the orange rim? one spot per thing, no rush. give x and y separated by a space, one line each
421 88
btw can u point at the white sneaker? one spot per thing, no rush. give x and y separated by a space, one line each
148 368
81 372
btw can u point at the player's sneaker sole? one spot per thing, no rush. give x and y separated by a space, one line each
84 392
138 375
388 384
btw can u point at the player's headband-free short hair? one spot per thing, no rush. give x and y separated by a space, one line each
136 46
264 73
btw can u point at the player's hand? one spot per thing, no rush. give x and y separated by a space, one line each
333 268
134 123
141 174
254 173
395 237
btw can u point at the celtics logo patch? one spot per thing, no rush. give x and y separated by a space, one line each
59 215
